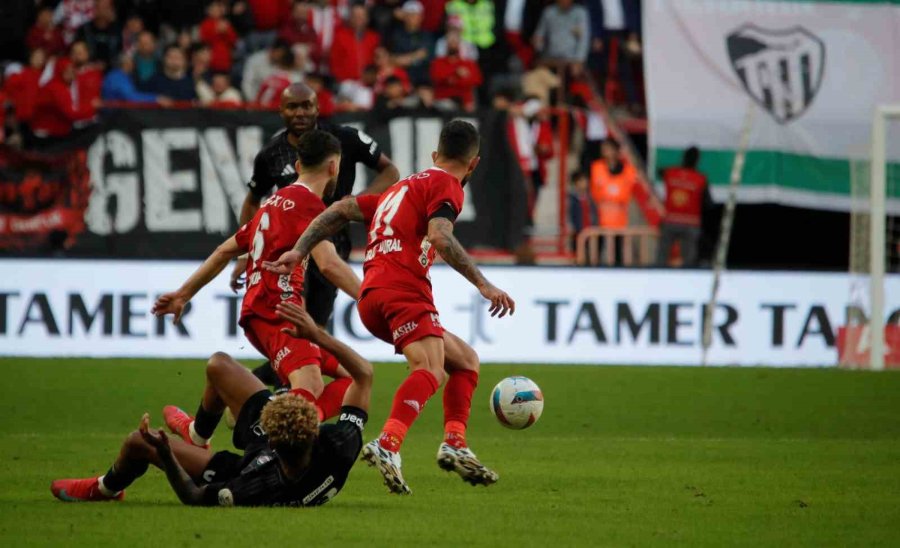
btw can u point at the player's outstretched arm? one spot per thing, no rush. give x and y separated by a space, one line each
174 302
359 368
335 269
327 224
440 234
181 482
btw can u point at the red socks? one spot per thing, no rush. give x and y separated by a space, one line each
333 397
409 400
458 404
308 396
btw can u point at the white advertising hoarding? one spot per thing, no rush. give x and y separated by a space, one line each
563 315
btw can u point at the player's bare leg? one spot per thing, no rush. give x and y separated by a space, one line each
228 385
426 362
135 456
462 365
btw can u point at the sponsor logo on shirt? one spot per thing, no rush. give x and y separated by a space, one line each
436 320
384 247
288 170
350 417
318 490
405 329
284 284
280 355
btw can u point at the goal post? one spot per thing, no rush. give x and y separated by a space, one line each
867 340
878 196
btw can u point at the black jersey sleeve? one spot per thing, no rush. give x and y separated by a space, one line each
343 439
262 180
360 146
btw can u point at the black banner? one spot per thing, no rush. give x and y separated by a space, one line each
170 183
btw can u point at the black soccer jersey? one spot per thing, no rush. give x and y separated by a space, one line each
261 482
274 164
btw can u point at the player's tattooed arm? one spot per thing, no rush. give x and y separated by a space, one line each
440 234
188 492
327 224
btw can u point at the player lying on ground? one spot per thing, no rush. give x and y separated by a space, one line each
407 224
273 230
273 167
289 458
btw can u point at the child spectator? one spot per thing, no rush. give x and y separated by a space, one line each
45 34
354 45
218 93
216 32
582 207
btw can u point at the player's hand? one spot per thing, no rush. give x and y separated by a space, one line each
304 326
156 438
239 274
285 264
170 303
501 302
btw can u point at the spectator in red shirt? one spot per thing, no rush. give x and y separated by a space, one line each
45 35
454 77
687 195
299 30
54 110
433 20
216 32
87 86
21 87
316 82
268 14
354 46
385 68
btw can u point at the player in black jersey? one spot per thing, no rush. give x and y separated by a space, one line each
273 168
289 458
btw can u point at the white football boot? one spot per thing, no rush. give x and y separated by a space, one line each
464 462
388 463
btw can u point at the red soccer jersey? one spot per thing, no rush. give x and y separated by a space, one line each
398 254
273 230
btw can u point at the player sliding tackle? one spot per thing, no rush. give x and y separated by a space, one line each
407 224
289 458
271 231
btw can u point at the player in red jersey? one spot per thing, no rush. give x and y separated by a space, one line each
273 230
407 224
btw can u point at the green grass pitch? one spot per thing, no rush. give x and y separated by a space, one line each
621 457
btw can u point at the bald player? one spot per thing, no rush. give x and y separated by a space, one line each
273 168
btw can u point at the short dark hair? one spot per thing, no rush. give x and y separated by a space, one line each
459 141
391 80
314 147
578 175
612 142
691 157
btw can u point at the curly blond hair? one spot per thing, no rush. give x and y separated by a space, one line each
290 422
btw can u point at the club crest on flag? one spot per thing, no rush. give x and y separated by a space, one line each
782 70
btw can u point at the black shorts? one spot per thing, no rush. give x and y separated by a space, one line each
247 431
248 435
318 292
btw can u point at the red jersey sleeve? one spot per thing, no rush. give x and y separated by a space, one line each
445 191
368 203
243 237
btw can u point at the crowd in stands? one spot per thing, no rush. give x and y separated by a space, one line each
63 59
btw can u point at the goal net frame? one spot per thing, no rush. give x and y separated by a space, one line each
877 230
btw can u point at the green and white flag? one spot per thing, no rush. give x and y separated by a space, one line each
813 70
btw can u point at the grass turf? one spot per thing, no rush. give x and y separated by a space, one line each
622 456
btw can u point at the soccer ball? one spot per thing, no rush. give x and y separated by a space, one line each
517 402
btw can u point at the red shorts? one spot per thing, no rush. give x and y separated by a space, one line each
286 353
399 317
